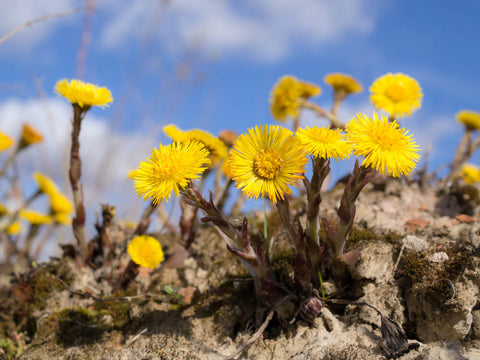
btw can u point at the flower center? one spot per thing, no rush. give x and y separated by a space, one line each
268 164
396 93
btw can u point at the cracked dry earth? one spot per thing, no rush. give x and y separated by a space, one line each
418 264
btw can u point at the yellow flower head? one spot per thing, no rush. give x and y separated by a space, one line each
3 210
145 251
266 160
30 136
5 141
216 147
170 167
14 229
131 174
471 119
287 95
397 94
343 83
470 173
84 94
324 142
59 203
35 217
385 147
45 184
62 219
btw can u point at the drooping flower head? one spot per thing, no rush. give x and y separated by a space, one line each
14 229
145 251
343 83
324 142
386 147
266 160
30 136
216 147
45 184
170 168
3 210
471 119
5 141
470 173
287 95
84 94
60 203
397 94
35 217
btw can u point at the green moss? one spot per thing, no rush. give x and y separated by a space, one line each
415 266
119 310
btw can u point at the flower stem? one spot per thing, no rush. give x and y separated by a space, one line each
334 121
265 233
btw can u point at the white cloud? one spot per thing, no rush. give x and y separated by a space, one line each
14 13
265 30
107 155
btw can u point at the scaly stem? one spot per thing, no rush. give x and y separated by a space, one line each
464 151
334 121
265 233
75 173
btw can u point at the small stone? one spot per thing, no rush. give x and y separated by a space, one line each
462 218
439 257
417 223
414 243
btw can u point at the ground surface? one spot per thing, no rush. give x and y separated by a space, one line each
419 265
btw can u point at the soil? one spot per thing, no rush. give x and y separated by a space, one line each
418 264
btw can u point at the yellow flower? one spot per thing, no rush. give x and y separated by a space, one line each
59 203
14 229
84 94
145 251
170 168
35 217
3 210
385 147
5 141
324 142
287 96
30 136
45 184
397 94
216 147
266 160
471 119
470 173
131 174
62 218
344 83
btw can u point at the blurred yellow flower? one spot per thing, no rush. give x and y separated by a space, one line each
287 95
145 251
471 119
343 83
45 184
62 218
5 141
60 203
3 210
170 168
131 174
470 173
14 229
266 160
216 147
30 136
83 94
324 142
35 217
385 147
397 94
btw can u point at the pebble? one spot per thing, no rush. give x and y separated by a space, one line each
414 243
439 257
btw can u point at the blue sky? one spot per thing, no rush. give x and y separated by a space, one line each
212 64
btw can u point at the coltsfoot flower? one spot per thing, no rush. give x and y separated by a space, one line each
324 142
216 147
470 173
59 203
343 83
266 160
35 217
386 147
45 184
145 251
30 136
14 229
84 94
471 119
3 210
5 141
397 94
287 95
170 168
